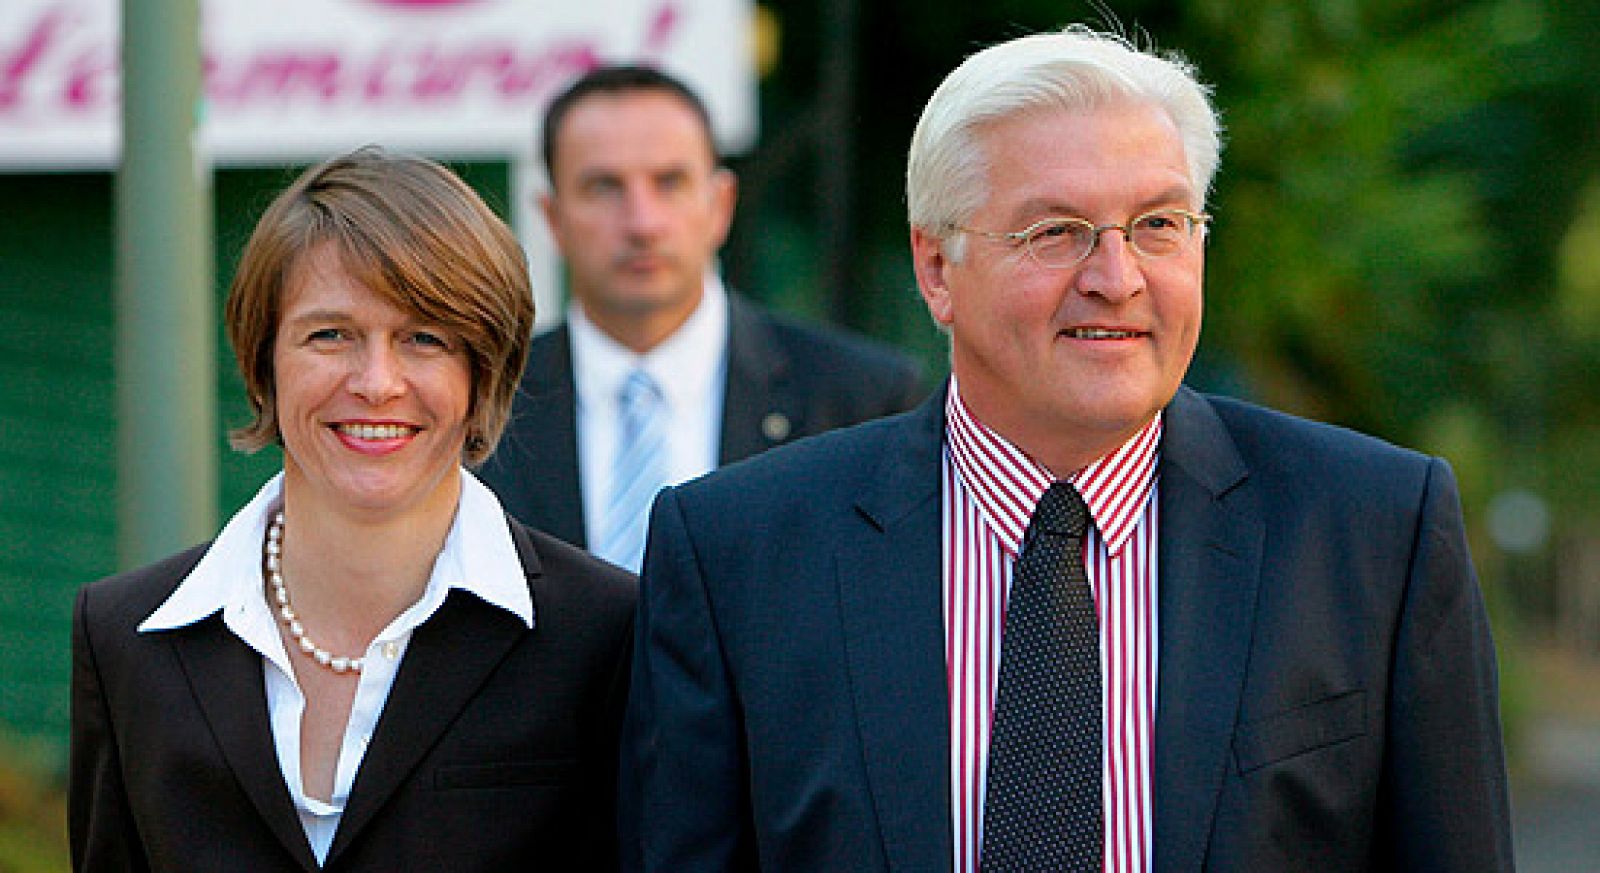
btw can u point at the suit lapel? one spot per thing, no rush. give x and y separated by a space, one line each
758 409
1211 539
227 681
543 444
888 568
449 658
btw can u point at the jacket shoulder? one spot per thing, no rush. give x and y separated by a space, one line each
549 360
838 351
1263 431
128 597
1304 457
843 458
579 578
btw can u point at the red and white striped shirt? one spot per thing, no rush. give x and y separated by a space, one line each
990 491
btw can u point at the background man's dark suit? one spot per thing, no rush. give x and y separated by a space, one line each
495 751
785 380
1326 679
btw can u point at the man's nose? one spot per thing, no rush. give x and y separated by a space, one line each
644 209
1112 269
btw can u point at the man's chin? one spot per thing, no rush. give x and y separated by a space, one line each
642 299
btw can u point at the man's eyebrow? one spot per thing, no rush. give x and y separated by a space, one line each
1047 206
595 173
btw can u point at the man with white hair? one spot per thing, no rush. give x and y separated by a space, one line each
1069 614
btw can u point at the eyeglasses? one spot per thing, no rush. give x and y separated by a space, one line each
1059 243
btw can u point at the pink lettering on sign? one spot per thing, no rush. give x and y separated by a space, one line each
15 66
62 63
419 74
92 79
659 37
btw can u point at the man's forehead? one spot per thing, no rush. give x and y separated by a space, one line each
644 126
1054 161
593 166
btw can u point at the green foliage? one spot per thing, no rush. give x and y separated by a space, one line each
1339 254
33 815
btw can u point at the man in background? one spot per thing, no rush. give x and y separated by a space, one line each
659 373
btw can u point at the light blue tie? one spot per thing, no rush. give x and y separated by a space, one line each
639 473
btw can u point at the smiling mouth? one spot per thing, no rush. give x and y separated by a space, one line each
376 431
1100 333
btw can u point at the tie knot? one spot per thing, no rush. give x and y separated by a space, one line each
639 390
1061 511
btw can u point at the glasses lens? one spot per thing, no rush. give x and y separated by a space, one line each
1161 233
1061 242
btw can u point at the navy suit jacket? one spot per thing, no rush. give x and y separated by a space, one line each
496 749
785 380
1326 686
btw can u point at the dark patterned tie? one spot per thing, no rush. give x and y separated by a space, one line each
1043 810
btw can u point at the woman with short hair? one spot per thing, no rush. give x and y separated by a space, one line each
372 667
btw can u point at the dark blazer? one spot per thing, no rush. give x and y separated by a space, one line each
785 380
1326 691
495 751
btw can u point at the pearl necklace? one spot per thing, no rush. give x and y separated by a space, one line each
336 663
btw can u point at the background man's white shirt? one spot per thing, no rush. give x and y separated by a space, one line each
690 366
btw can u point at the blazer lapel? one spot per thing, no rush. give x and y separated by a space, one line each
449 658
889 575
1210 556
758 410
227 681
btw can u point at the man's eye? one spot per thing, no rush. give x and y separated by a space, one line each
326 335
1060 231
602 186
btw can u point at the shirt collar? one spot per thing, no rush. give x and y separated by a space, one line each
683 365
479 556
1006 484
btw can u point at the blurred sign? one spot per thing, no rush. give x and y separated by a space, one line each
297 80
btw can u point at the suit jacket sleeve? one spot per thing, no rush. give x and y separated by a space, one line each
1445 806
684 802
100 822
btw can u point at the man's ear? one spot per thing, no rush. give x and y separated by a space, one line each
547 207
551 211
932 264
725 196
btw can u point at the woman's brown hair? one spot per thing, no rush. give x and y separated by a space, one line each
416 235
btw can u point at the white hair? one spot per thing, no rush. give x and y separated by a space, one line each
1074 70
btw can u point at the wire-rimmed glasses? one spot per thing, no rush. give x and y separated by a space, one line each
1061 242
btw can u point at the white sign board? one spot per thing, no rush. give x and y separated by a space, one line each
298 80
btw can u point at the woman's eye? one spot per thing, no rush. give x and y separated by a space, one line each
430 339
326 334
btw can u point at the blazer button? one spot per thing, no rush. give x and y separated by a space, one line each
776 426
